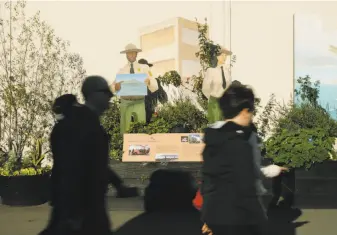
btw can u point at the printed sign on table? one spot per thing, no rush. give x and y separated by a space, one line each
132 84
176 147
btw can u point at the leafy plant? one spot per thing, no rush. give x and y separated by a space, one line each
302 134
110 120
308 91
207 47
182 112
301 148
207 50
158 125
36 67
171 77
36 154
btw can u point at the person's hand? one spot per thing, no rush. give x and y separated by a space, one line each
272 170
147 81
118 86
284 168
206 230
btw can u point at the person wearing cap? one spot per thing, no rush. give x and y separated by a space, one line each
133 107
81 173
217 79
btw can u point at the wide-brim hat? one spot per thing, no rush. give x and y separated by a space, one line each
131 48
225 51
144 61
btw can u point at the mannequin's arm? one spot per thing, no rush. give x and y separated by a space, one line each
271 171
113 86
207 84
153 85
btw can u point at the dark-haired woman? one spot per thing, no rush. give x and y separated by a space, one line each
231 204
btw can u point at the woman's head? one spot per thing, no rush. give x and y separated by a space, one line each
237 104
63 104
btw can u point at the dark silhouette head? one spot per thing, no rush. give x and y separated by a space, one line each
97 93
63 104
238 103
170 190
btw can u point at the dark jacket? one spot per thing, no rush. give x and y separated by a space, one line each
80 174
229 177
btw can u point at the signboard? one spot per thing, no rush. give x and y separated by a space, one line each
173 147
132 84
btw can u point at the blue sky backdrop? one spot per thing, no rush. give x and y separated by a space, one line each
313 57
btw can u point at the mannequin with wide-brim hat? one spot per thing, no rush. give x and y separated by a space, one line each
133 107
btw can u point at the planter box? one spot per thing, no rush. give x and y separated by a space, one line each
317 183
321 179
25 190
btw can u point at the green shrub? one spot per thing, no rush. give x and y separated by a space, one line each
300 148
158 125
307 116
302 134
182 112
171 77
111 123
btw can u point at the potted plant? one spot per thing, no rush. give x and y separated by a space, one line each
25 183
302 137
36 69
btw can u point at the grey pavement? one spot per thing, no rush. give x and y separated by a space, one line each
30 220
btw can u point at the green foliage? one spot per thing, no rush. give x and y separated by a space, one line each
307 116
207 48
301 148
158 125
301 134
308 91
25 171
111 122
182 112
171 77
265 120
12 167
36 67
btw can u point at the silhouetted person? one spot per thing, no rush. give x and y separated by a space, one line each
231 203
80 173
168 207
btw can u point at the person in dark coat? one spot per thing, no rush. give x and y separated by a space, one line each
152 98
231 203
168 206
80 173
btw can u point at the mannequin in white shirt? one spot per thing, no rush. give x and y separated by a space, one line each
215 82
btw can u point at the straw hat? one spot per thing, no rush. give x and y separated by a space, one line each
131 48
225 51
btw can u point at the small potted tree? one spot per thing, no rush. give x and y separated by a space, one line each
36 68
302 138
26 182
